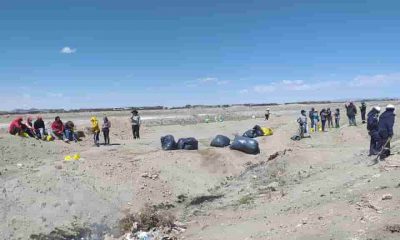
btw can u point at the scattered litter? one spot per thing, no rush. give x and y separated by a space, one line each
387 197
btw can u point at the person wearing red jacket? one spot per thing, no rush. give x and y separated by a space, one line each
57 129
16 126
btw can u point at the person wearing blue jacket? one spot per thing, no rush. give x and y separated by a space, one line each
373 130
386 122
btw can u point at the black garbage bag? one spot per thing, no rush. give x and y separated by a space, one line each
296 137
220 141
258 131
188 144
246 145
168 143
250 134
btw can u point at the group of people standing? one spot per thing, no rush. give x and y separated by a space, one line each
320 119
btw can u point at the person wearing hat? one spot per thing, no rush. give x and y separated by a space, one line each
363 110
373 130
136 122
386 122
267 114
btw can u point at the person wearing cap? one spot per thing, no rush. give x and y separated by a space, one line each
373 130
363 110
267 114
351 111
40 128
136 122
386 122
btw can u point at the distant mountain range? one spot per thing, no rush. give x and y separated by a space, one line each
35 110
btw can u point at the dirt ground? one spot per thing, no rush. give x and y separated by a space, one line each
317 188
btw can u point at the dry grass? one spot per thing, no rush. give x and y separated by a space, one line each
149 217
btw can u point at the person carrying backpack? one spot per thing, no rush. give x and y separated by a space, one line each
373 130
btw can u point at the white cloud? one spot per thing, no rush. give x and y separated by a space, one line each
264 88
375 80
68 50
205 81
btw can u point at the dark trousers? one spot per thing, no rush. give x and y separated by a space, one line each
323 125
96 138
330 122
363 116
266 116
135 131
384 148
374 143
106 134
337 121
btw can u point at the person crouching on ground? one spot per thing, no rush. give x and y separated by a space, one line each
373 130
302 120
29 128
57 129
136 122
70 134
95 130
40 128
15 127
106 130
386 122
337 118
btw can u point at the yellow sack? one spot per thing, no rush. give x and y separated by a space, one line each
319 127
312 129
49 138
25 135
267 131
68 158
76 156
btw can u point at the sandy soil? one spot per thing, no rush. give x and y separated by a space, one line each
317 188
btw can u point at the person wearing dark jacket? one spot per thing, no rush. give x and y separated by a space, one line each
373 130
329 117
69 129
337 118
310 115
40 127
386 122
351 113
363 110
323 116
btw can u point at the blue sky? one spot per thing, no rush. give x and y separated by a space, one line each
71 54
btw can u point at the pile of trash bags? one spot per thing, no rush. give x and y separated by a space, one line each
258 131
245 143
168 143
